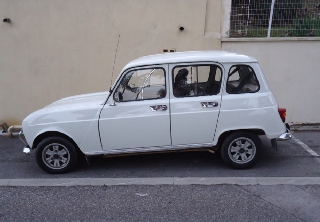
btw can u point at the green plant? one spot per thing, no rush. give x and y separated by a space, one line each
306 24
306 27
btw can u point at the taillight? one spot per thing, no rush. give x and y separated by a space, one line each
282 113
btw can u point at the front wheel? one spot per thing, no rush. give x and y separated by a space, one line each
240 149
56 155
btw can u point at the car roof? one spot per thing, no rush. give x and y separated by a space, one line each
191 56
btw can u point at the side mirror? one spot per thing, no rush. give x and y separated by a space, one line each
117 97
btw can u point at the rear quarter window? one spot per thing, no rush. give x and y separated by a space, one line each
242 79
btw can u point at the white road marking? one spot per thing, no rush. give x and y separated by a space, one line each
307 148
142 194
304 146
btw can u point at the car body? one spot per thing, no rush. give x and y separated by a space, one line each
167 102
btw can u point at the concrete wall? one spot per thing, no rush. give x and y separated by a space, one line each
54 49
292 68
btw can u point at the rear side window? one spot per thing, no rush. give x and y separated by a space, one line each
242 79
196 80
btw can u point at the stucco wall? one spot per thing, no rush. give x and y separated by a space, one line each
292 68
54 49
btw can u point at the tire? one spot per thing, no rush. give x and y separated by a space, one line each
240 150
56 155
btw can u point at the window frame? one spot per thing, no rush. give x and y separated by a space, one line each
254 74
136 69
196 65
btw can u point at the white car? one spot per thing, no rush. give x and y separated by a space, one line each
215 100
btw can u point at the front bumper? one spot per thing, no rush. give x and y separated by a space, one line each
26 148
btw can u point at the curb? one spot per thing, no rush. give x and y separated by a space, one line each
160 181
305 127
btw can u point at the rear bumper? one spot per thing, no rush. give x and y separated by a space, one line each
285 136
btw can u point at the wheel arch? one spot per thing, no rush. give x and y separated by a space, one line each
225 134
48 134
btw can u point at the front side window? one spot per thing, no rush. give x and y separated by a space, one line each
242 79
196 80
141 84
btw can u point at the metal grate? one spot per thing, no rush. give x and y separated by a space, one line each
274 18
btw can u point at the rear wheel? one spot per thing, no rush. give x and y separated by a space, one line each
56 155
240 150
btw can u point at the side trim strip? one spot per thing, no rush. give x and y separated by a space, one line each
149 149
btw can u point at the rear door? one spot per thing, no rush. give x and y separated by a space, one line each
194 102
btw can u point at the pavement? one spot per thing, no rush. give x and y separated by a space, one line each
161 181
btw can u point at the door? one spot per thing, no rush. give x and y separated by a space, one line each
137 113
194 102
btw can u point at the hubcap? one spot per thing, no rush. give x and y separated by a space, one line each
242 150
56 156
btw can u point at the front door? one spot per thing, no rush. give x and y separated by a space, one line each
137 113
195 102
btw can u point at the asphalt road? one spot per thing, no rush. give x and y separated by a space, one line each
291 160
161 203
166 202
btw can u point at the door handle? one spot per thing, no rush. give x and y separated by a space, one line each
158 108
209 104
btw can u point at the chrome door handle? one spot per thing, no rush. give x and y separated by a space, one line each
209 104
158 108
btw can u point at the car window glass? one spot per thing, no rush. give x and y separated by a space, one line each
218 75
141 84
242 79
234 76
197 80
